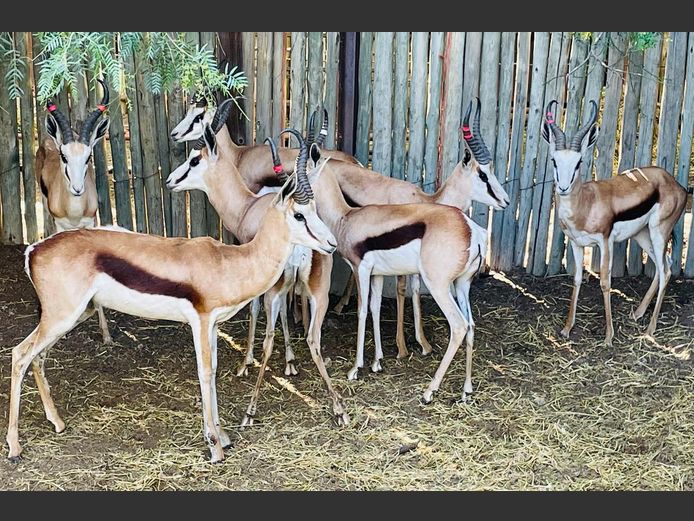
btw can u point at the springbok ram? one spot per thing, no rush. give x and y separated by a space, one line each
640 203
438 242
199 281
65 173
211 169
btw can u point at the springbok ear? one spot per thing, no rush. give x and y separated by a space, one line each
210 141
590 138
286 192
467 156
99 131
53 129
314 154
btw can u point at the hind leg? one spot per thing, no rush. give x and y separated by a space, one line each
417 306
375 304
103 325
242 369
400 326
462 289
643 238
289 368
662 264
346 295
363 287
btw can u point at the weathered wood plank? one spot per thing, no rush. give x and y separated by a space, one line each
315 73
121 177
135 149
249 68
26 107
532 141
383 103
431 145
628 141
520 101
686 147
278 70
332 84
503 136
298 82
471 76
163 141
103 183
577 75
177 155
451 103
400 99
417 109
668 126
10 176
263 103
366 40
644 148
542 193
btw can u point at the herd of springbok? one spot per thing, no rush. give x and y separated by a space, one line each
290 209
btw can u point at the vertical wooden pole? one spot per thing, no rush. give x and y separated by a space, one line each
263 111
297 118
365 86
10 177
418 106
399 114
177 155
332 84
348 93
432 145
451 103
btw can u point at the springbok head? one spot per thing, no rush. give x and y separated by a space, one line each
566 159
191 174
191 126
477 163
75 153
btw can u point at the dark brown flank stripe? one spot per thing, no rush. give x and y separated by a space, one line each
639 210
140 280
392 239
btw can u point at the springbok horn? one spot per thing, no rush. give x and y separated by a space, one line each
276 161
303 193
472 137
311 134
221 115
323 129
89 123
559 137
575 144
63 122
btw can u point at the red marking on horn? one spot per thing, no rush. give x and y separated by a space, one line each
101 107
466 132
52 107
278 169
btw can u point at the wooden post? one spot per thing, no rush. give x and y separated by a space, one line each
668 125
230 53
248 48
315 73
177 155
103 184
399 114
332 84
136 149
364 109
279 48
432 142
471 80
501 154
163 140
263 111
383 103
10 177
686 148
348 93
520 102
451 103
121 177
26 107
297 118
418 105
210 40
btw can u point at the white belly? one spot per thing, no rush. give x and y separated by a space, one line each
397 261
622 230
113 295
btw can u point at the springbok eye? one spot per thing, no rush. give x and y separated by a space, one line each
195 161
62 157
554 163
198 117
299 217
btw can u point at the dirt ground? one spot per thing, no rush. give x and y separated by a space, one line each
547 414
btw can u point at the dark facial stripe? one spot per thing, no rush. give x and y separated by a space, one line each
392 239
183 176
44 188
639 210
489 187
309 231
140 280
192 124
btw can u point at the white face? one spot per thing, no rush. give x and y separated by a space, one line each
305 227
191 126
75 156
191 174
567 168
485 189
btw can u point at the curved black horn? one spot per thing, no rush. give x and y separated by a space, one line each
311 133
559 136
276 161
303 192
199 100
63 122
88 124
575 144
221 115
323 129
472 136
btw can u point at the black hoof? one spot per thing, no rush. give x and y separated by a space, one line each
14 459
228 446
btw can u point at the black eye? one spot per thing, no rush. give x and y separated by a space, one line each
198 117
195 161
299 216
62 157
554 163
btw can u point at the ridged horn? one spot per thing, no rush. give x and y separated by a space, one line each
63 122
575 144
473 136
276 161
311 134
303 193
89 123
323 129
559 136
221 115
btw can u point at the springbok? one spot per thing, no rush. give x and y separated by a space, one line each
472 179
640 203
199 281
65 173
439 242
253 162
211 169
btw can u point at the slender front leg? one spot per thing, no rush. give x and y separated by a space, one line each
45 392
376 294
289 368
252 320
606 253
578 280
662 264
400 326
417 307
206 363
346 295
304 313
643 238
363 285
103 325
223 436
